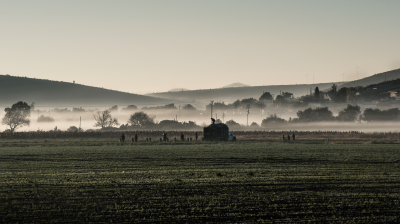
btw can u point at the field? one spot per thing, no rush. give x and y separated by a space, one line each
102 180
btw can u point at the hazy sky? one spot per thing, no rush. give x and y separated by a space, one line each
153 46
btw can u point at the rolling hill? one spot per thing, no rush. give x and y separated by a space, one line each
373 79
234 93
54 93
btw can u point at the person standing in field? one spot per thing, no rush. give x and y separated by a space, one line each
123 137
182 137
165 137
283 136
196 136
136 137
293 136
288 137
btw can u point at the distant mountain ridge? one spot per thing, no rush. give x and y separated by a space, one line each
55 93
178 89
236 84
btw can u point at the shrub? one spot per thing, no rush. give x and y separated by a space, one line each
43 118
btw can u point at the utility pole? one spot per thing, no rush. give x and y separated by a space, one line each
248 112
179 112
211 103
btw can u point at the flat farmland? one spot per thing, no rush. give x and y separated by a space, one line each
92 180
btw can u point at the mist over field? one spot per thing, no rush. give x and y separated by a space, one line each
64 120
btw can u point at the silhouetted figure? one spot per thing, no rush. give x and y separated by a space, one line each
293 136
213 120
123 137
196 136
165 137
182 137
288 137
133 140
136 137
283 136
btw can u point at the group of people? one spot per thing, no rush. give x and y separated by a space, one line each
122 138
288 137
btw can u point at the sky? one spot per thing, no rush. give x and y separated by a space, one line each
154 46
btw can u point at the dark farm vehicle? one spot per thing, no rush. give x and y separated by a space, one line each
218 132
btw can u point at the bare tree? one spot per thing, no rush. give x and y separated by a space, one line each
104 119
17 115
248 112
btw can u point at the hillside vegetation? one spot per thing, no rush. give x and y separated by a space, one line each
373 79
234 93
54 93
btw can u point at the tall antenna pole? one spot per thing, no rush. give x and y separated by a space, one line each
248 111
211 103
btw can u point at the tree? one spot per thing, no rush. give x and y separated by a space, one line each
32 106
232 124
17 115
272 119
266 96
351 95
43 118
104 119
287 95
113 108
333 89
350 113
189 107
73 129
314 115
316 93
254 125
279 98
381 115
141 120
130 108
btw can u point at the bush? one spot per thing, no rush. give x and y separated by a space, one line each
74 129
43 118
272 119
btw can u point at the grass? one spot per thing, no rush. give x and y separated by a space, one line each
249 181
